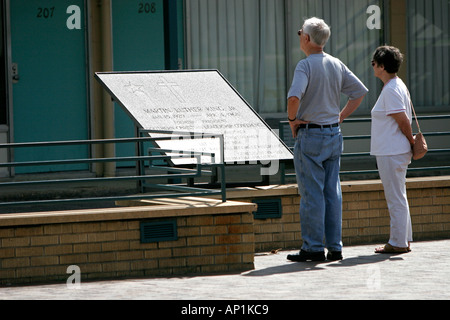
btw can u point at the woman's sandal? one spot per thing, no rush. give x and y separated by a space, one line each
391 249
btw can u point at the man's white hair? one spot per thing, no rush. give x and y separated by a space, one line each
318 30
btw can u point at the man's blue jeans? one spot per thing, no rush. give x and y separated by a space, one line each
317 159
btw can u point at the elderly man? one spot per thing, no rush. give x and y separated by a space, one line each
314 116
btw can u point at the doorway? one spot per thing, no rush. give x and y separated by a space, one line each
49 86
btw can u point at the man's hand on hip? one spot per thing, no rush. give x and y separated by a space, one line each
295 125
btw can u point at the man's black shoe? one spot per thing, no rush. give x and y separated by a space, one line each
334 255
304 256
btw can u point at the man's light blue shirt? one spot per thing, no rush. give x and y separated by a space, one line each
318 82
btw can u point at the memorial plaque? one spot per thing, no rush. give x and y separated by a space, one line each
196 101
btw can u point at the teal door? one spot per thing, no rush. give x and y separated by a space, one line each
138 45
50 88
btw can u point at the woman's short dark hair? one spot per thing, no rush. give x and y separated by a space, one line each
389 57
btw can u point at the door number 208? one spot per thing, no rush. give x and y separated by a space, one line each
146 7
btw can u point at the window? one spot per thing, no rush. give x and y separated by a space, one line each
3 75
244 40
429 54
351 41
254 44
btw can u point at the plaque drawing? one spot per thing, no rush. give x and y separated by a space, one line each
196 101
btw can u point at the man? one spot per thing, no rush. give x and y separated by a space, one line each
314 116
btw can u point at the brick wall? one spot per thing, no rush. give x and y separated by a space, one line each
365 214
366 217
212 236
274 233
107 243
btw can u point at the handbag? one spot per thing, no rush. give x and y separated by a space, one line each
420 148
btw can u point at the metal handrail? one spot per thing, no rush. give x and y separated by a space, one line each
180 173
366 154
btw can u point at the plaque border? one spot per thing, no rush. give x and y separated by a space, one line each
138 125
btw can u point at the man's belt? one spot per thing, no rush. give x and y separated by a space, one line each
318 126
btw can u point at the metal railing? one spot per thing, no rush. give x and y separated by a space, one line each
361 155
144 165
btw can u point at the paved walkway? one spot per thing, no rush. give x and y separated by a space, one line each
422 274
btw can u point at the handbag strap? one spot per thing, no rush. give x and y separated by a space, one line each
414 111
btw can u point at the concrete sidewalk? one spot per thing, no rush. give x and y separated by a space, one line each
423 274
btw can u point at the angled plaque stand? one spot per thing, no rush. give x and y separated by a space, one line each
198 101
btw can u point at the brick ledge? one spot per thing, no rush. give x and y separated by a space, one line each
161 208
347 186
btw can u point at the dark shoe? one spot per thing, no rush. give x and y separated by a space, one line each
304 256
334 255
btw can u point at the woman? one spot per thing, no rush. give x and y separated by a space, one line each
392 141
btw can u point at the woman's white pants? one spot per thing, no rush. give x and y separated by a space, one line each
392 171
